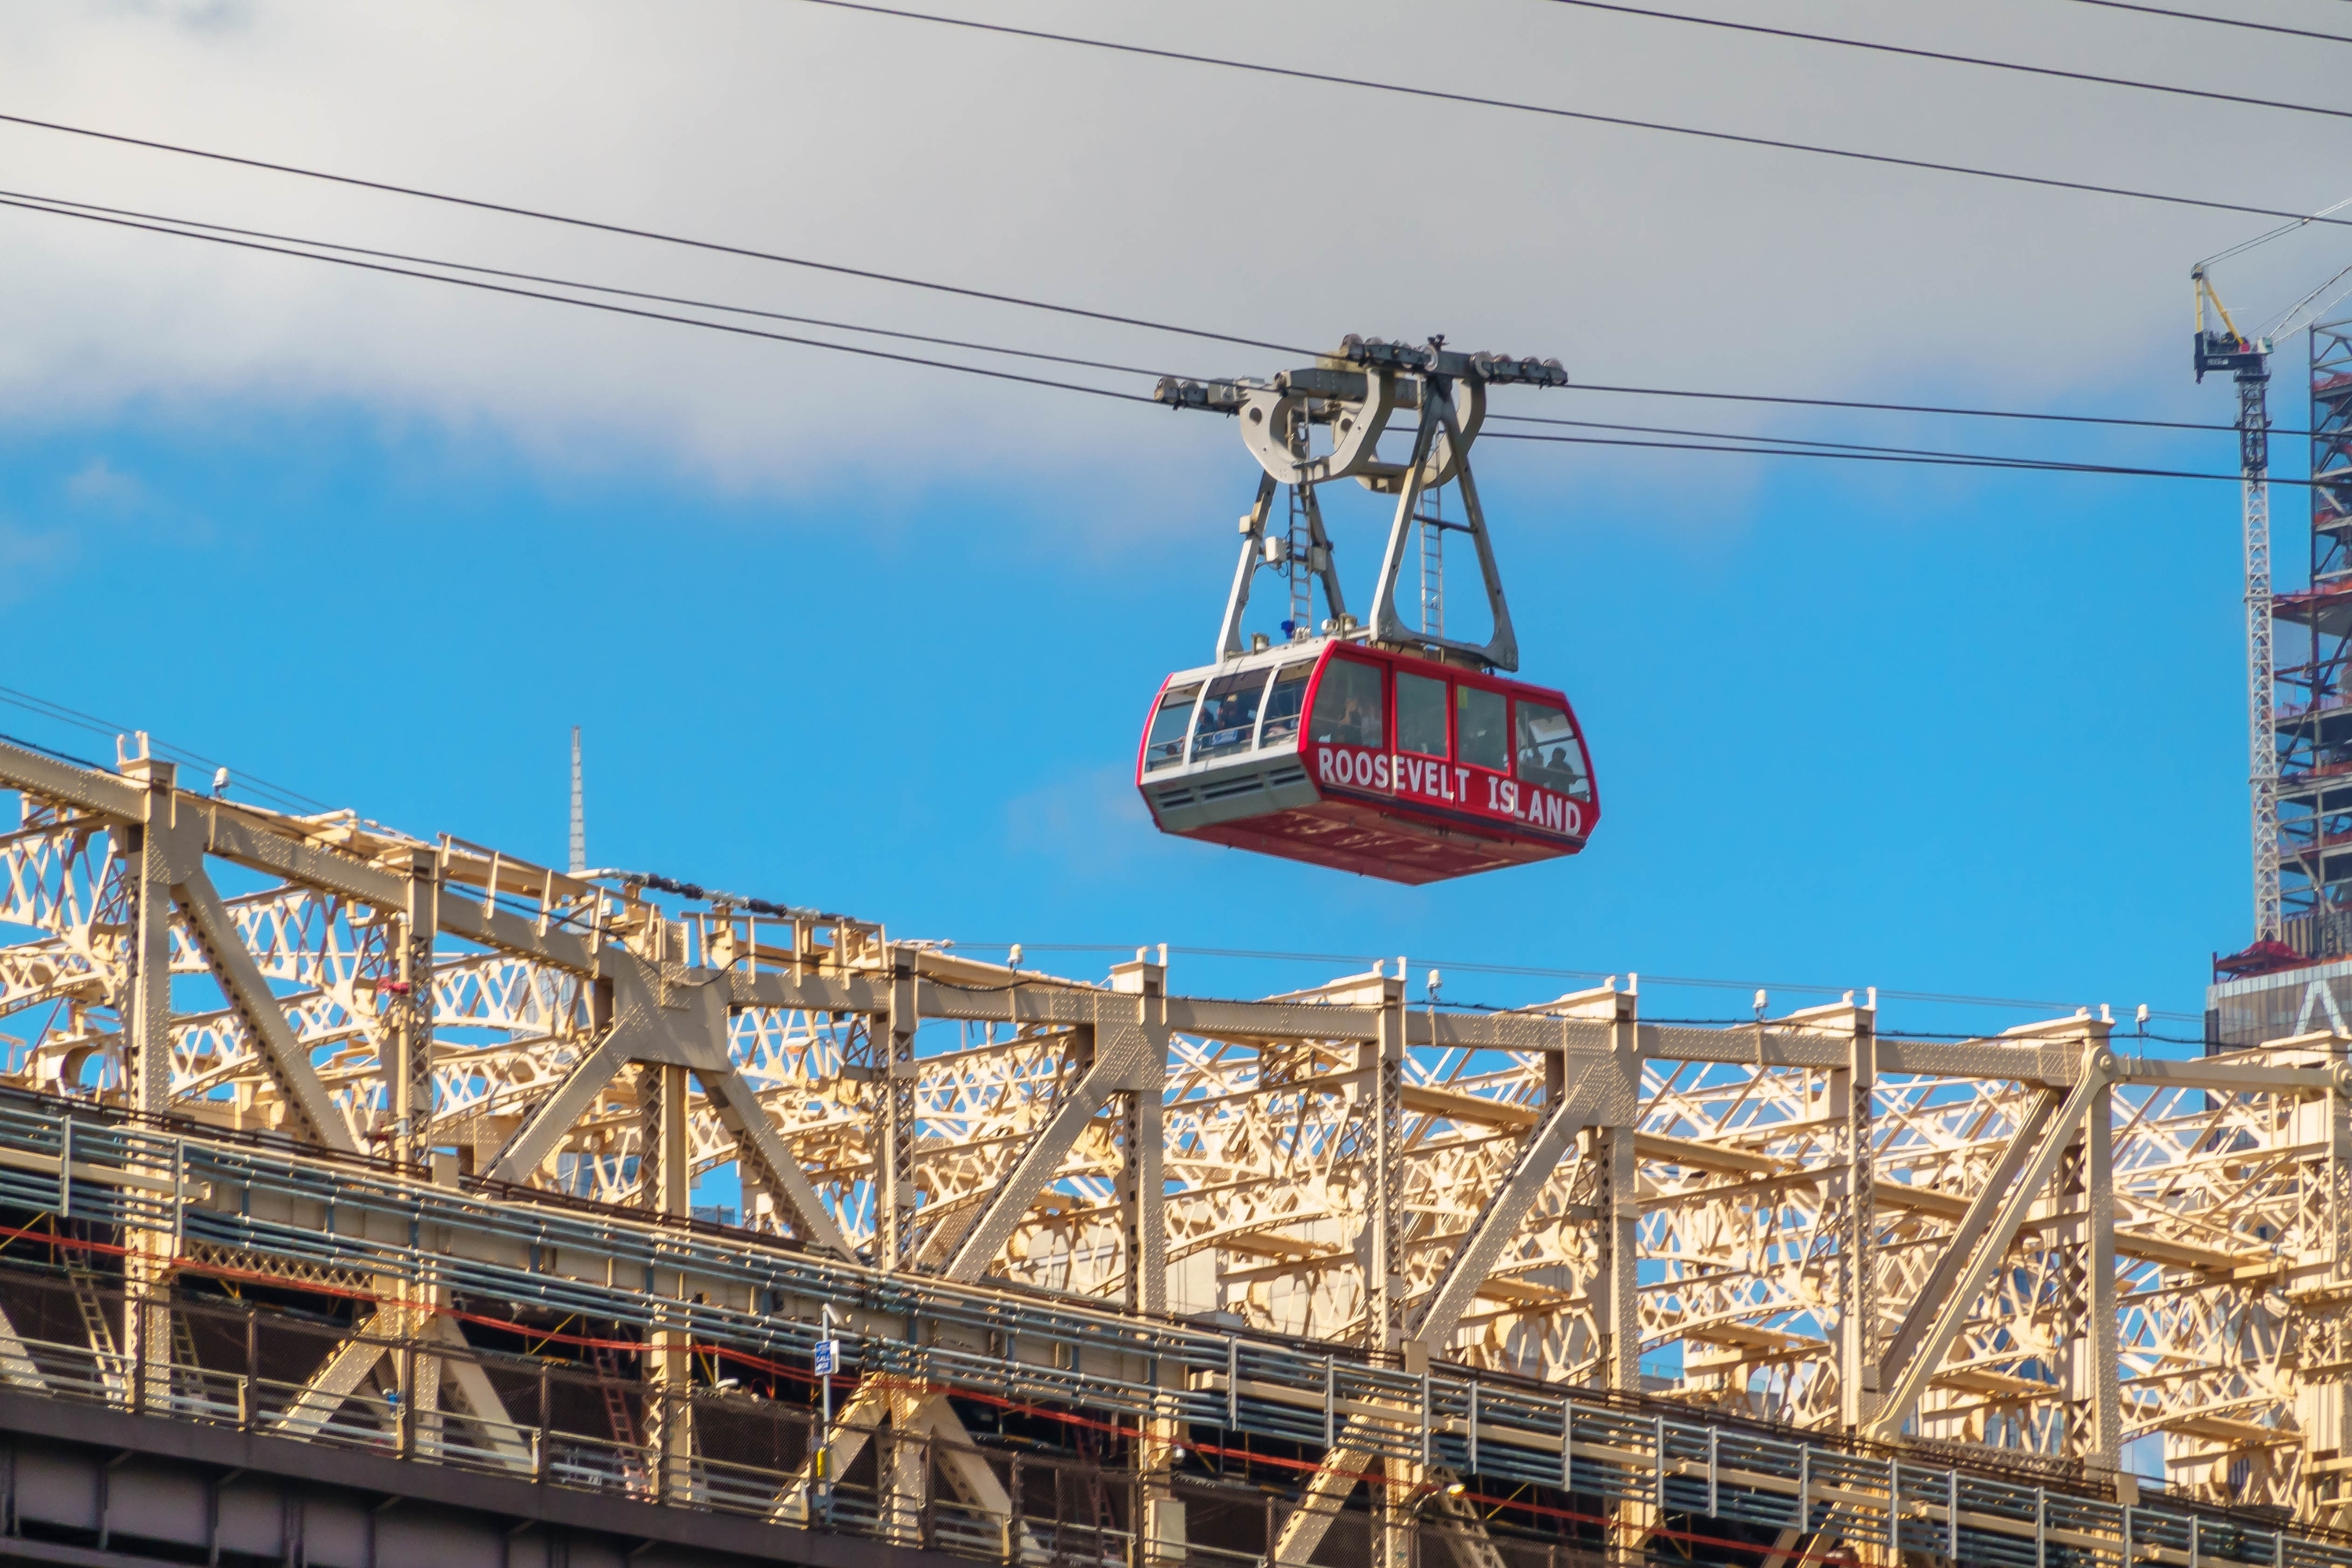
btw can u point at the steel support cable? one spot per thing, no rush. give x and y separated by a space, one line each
2296 220
1945 57
58 712
337 253
1745 448
1793 442
716 246
2218 21
1590 117
1944 409
608 306
1740 445
62 203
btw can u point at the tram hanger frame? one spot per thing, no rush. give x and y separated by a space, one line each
1355 392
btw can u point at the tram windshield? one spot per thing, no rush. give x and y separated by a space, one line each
1548 752
1229 714
1420 714
1165 746
1480 731
1348 705
1282 705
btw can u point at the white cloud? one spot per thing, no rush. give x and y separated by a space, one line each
98 483
1273 209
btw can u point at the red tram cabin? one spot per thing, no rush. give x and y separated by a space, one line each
1369 760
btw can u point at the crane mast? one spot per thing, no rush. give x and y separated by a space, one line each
2224 348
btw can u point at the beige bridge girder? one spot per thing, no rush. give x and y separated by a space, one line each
2028 1244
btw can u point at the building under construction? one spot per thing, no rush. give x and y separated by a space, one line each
2298 972
349 1194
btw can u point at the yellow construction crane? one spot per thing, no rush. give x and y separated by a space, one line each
2249 361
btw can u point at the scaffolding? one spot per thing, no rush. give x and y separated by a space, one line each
2315 684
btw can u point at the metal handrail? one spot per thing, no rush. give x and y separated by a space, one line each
1583 1441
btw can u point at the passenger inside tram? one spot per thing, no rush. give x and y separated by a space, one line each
1229 716
1283 703
1348 706
1480 736
1548 755
1164 746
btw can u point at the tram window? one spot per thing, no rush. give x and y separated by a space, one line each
1282 705
1481 735
1165 746
1420 714
1548 752
1348 705
1229 714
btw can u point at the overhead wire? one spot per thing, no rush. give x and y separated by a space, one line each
436 270
91 723
1943 56
1585 116
605 306
628 231
1747 447
328 245
2239 22
2295 220
1788 441
1940 409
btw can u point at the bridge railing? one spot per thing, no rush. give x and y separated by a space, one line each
84 1185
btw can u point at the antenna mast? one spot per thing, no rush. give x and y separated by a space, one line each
579 813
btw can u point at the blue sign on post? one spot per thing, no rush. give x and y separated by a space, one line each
828 1357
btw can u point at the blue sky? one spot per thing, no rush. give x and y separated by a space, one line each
1931 732
881 640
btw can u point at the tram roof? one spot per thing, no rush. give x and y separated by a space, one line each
1283 654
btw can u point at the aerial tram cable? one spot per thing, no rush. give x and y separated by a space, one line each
1941 409
2011 413
2219 21
1589 117
627 231
1548 110
144 219
2293 220
608 306
1757 445
657 298
1790 441
1924 460
1945 57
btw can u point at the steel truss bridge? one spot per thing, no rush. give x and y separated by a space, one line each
346 1215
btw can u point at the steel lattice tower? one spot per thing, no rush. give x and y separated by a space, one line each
2314 695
